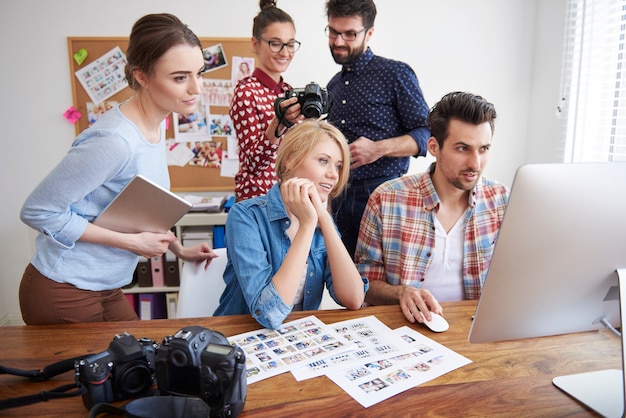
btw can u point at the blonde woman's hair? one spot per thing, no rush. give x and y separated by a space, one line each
299 142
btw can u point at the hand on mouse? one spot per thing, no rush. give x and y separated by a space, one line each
413 301
437 324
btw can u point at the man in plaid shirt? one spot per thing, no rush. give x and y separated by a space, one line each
429 237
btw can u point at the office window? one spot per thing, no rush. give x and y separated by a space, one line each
593 92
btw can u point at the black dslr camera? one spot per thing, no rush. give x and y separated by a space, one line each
199 362
123 371
314 101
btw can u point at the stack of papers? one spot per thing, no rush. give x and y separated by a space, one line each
206 203
367 359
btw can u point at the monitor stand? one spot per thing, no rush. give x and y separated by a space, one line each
605 390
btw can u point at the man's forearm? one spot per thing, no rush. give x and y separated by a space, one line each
382 293
400 146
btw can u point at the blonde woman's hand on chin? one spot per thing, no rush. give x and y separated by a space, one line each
296 193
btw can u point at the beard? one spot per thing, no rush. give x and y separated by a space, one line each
353 53
462 185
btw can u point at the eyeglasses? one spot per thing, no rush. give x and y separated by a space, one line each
277 46
347 36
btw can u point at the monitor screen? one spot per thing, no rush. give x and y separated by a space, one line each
554 265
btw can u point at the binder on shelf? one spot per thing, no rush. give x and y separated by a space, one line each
152 306
170 269
172 274
218 236
156 269
144 275
172 303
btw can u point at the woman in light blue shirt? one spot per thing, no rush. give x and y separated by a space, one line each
78 268
283 248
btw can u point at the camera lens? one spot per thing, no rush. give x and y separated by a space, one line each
312 109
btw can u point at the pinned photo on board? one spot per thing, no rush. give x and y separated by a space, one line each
214 57
207 154
242 68
221 125
192 126
216 92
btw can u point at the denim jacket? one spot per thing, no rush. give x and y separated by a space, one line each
257 243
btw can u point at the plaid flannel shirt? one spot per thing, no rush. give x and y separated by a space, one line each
397 235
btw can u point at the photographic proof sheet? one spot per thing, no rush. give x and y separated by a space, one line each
373 381
104 77
372 340
269 352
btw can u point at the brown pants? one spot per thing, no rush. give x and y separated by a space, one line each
44 301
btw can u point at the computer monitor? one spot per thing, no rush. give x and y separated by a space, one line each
560 245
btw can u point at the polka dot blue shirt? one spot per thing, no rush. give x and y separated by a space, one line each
379 98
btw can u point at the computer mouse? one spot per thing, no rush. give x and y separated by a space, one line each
437 323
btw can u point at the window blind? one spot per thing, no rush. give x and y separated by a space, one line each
593 91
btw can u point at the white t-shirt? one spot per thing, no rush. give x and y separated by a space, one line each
299 299
444 277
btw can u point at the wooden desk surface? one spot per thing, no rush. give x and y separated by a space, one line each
505 379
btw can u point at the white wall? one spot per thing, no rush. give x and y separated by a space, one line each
507 51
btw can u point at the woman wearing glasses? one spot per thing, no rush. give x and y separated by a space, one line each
252 109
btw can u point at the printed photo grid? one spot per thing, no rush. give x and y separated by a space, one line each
269 352
423 359
363 356
365 335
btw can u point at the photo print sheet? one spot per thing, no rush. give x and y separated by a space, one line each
216 92
371 382
104 77
269 353
372 340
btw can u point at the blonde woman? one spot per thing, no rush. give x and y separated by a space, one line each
283 248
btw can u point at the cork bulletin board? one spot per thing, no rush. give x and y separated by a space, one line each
87 50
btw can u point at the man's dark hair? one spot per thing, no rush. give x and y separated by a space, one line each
466 107
346 8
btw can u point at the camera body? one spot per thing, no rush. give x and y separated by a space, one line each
199 362
314 101
124 370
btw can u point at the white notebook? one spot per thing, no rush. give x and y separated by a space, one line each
143 206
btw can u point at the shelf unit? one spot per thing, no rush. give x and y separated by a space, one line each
189 219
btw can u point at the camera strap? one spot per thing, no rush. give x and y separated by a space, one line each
156 407
281 116
48 372
43 396
39 376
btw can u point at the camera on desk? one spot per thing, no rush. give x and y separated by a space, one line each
124 370
314 101
201 363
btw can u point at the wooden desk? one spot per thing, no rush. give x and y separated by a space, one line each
505 379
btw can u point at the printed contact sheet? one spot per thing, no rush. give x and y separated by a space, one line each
365 335
364 357
270 352
423 359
